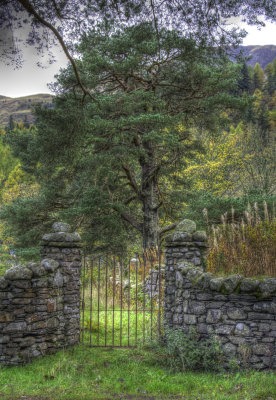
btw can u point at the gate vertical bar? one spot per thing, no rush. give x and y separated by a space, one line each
113 300
91 305
121 313
144 294
128 303
105 324
136 298
83 293
99 276
151 268
159 291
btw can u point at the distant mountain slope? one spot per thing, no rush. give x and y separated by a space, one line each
261 54
21 108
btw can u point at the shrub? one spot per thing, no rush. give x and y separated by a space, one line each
184 351
247 246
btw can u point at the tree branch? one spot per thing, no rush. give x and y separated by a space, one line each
128 218
166 229
31 10
131 180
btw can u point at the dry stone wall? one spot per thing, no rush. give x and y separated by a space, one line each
40 302
239 311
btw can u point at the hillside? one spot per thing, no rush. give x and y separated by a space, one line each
21 108
259 54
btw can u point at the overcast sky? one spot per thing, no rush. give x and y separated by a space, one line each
31 79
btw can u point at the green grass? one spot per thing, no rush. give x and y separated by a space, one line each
123 326
91 373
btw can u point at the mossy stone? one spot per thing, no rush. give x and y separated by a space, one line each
49 264
3 283
61 237
187 226
200 236
249 285
216 283
18 272
231 283
268 285
61 227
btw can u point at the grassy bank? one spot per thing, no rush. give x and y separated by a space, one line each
90 373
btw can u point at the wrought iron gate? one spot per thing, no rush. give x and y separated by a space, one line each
122 300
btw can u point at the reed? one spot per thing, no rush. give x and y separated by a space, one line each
247 246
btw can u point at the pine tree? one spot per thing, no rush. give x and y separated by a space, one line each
269 84
258 77
11 123
112 161
245 83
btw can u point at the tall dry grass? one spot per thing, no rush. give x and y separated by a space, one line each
247 246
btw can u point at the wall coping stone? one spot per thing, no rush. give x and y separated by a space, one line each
230 284
61 227
61 237
61 244
186 235
18 272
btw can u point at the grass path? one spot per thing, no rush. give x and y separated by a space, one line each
90 373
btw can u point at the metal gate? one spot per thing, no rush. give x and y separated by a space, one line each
122 300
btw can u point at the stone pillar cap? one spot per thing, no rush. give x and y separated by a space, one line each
186 225
61 227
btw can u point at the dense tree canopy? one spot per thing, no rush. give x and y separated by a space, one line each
118 154
64 22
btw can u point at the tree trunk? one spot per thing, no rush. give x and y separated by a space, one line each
150 198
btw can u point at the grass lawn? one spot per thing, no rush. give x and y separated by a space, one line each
99 373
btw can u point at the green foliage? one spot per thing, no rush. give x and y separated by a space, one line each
7 162
111 162
206 209
184 351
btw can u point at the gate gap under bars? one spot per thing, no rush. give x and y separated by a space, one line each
122 300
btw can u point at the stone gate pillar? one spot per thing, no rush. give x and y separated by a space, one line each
64 247
40 302
188 245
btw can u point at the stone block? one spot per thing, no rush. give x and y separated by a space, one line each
231 282
6 317
224 329
201 296
186 225
3 283
196 261
268 285
262 349
38 269
242 329
189 319
236 313
213 316
61 227
18 272
249 285
230 348
216 283
15 327
49 264
197 307
61 237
